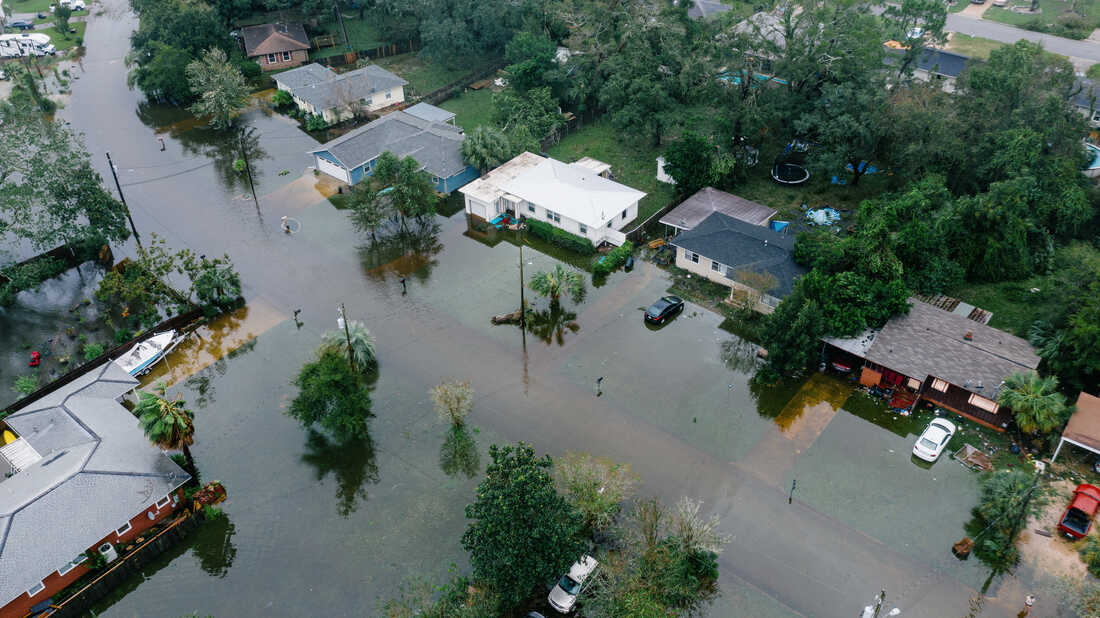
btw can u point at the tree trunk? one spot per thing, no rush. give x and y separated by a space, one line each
190 463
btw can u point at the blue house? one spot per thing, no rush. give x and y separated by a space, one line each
436 146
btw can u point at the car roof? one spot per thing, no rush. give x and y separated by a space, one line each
582 568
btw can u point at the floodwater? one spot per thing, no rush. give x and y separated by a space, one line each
315 527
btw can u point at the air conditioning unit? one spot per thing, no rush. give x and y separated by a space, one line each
108 552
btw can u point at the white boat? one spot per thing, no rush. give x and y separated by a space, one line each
139 359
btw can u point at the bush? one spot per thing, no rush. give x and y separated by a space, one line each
25 385
612 261
282 98
123 335
561 238
1090 553
316 122
92 351
250 69
79 41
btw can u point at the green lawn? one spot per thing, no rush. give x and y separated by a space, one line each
423 77
363 34
958 6
972 46
633 163
62 43
30 6
1050 12
472 108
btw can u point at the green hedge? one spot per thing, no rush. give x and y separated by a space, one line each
560 237
613 260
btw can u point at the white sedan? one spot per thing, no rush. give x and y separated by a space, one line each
934 439
564 595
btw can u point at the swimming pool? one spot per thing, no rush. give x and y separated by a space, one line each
1093 170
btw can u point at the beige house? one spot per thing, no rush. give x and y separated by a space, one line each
576 197
752 260
276 46
342 96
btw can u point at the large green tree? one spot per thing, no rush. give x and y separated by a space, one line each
522 533
556 282
690 162
168 423
406 185
221 89
171 34
1037 406
849 125
486 148
333 395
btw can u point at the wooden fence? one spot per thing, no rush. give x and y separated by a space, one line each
67 253
382 51
440 95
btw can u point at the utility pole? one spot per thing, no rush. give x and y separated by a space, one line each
522 298
122 198
347 333
248 167
340 17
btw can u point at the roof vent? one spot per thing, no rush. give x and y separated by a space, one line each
969 336
765 242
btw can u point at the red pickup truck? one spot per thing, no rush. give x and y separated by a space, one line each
1077 519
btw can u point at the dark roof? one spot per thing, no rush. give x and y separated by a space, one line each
930 341
86 469
707 200
435 145
1086 90
339 90
741 245
936 61
273 38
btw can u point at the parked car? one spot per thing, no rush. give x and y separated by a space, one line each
934 439
665 307
21 24
564 595
1077 519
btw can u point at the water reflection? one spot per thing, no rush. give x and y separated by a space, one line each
351 462
214 546
225 148
552 324
406 252
738 355
459 454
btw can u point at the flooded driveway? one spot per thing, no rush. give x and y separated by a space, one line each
320 528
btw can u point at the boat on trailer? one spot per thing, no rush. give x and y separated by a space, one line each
139 359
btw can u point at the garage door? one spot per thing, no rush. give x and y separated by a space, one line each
331 169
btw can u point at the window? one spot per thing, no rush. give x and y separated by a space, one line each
530 208
72 564
986 404
123 530
584 230
608 224
271 58
163 502
553 216
624 213
35 589
694 257
389 94
939 385
914 383
715 266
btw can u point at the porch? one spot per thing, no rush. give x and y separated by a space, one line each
960 401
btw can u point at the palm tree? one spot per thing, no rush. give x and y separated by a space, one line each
1038 406
362 343
556 282
167 423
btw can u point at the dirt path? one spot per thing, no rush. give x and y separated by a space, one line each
1054 555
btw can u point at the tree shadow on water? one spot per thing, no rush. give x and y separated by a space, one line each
459 454
551 325
214 546
402 252
351 462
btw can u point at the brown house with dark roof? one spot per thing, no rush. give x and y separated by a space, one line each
276 46
944 357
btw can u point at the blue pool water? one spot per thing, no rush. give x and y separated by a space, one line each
1095 151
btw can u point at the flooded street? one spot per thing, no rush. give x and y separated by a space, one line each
317 528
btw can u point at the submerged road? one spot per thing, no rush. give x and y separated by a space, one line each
791 559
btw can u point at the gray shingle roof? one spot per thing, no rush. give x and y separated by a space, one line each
427 111
931 341
273 38
707 200
97 472
304 75
436 146
742 245
340 90
935 61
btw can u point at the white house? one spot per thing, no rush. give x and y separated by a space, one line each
340 96
571 196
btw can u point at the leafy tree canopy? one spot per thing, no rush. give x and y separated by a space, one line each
333 395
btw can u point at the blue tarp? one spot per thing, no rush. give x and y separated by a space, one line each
779 226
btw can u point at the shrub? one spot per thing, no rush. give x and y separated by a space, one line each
613 260
282 98
79 41
92 351
561 238
250 69
123 335
316 122
1090 553
25 385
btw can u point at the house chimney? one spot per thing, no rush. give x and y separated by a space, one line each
969 336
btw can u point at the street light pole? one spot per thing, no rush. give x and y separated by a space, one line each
248 169
342 321
522 298
122 198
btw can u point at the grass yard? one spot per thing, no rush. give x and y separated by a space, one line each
958 6
62 43
472 108
33 6
1052 13
423 77
363 34
972 46
634 164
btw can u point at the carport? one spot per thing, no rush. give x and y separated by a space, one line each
1083 428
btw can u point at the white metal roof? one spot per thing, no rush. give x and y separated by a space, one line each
573 191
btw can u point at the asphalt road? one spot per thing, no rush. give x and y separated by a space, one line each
1009 34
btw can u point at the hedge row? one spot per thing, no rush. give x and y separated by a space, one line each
559 237
613 260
